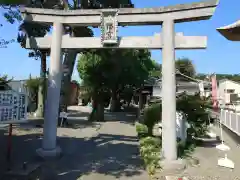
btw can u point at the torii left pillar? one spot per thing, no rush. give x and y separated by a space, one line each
49 143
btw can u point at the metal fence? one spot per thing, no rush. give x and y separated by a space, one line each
231 120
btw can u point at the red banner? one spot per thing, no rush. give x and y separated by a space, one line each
214 93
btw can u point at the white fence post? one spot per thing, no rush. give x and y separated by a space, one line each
225 117
221 119
230 121
237 123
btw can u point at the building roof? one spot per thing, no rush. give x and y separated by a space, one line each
222 80
16 85
150 81
231 32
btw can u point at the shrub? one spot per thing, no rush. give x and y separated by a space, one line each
151 116
184 149
142 130
150 151
191 105
195 109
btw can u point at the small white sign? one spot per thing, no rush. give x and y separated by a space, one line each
63 115
13 107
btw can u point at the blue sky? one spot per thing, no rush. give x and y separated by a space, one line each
221 55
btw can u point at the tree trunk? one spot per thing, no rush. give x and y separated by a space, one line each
42 87
40 105
97 113
92 116
100 111
69 61
114 101
140 103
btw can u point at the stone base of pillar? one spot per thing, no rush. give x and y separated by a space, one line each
175 166
49 154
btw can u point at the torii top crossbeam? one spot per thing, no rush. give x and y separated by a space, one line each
139 16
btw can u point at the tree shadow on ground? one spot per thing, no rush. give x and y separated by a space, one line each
207 142
122 117
105 154
81 123
77 119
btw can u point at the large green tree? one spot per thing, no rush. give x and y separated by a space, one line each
112 71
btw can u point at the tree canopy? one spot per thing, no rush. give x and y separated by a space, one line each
183 65
115 69
186 67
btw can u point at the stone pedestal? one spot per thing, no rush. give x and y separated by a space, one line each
173 167
49 154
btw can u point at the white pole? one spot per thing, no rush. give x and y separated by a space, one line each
169 144
49 147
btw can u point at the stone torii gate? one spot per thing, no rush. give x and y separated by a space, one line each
109 20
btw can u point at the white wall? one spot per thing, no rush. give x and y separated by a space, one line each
222 90
190 88
157 91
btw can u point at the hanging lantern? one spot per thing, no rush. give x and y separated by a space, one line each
109 27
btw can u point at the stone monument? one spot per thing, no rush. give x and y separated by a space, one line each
109 20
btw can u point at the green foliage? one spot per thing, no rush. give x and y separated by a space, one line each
186 67
32 85
151 116
195 110
149 148
150 152
142 130
89 68
157 70
191 105
114 70
156 73
4 80
4 43
185 149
